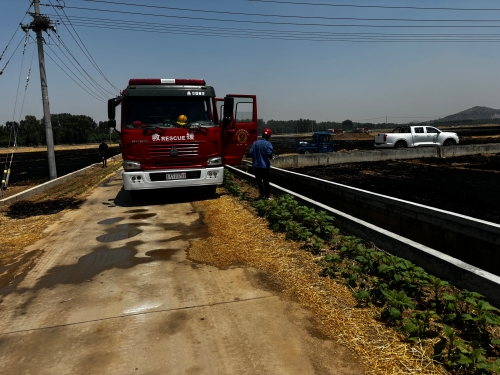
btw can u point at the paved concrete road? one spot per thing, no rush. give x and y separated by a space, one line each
114 294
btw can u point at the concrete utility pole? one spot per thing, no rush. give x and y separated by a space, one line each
42 23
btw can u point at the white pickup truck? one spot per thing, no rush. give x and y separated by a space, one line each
415 136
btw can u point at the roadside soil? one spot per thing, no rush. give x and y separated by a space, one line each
468 185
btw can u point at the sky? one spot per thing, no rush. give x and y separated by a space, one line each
312 60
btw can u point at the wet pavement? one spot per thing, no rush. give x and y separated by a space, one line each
113 293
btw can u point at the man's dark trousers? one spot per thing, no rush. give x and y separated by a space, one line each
262 177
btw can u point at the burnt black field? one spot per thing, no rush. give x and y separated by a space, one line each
33 167
468 185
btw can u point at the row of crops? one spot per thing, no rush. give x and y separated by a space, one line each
461 326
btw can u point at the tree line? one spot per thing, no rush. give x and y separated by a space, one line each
66 129
81 129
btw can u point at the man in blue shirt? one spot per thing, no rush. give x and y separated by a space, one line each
262 153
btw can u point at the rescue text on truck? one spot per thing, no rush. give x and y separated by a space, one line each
172 135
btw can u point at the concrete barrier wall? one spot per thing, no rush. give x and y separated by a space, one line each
50 184
461 274
297 161
473 241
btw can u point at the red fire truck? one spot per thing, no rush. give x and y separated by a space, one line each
176 133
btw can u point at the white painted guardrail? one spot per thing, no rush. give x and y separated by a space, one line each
297 161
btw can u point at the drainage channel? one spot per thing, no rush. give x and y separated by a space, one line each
461 274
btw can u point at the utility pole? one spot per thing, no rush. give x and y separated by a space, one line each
42 23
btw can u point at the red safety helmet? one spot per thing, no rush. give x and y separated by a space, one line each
267 133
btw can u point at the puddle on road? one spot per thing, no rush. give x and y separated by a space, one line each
141 216
136 211
162 254
101 259
111 221
121 232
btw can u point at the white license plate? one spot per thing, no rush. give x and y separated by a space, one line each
176 176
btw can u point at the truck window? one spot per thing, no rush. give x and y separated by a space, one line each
431 130
164 111
419 130
244 112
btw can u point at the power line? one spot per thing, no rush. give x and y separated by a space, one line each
373 6
84 49
95 84
7 63
13 35
350 37
281 15
50 57
75 76
285 23
126 23
263 36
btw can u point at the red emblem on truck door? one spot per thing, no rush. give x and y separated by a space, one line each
240 130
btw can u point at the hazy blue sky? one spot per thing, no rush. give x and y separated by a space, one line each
359 79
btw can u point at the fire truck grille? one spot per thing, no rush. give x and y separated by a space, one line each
173 150
190 175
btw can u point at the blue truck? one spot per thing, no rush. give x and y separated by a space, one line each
320 142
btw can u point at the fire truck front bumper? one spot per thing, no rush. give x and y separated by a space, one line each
159 179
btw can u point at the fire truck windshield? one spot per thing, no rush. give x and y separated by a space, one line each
168 111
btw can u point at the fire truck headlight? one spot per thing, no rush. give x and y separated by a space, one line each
131 165
212 174
212 162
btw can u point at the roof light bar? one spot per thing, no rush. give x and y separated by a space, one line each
167 81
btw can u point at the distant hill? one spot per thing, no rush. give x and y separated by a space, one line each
474 113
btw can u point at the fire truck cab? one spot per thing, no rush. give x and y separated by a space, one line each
177 133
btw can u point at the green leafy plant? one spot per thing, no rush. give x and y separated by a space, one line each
483 315
230 184
437 285
396 303
419 324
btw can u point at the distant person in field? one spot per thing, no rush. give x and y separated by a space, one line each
262 154
103 151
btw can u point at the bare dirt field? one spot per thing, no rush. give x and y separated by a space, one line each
468 185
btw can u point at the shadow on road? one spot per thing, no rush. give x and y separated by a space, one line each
161 197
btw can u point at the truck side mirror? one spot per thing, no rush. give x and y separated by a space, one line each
228 111
111 110
112 124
